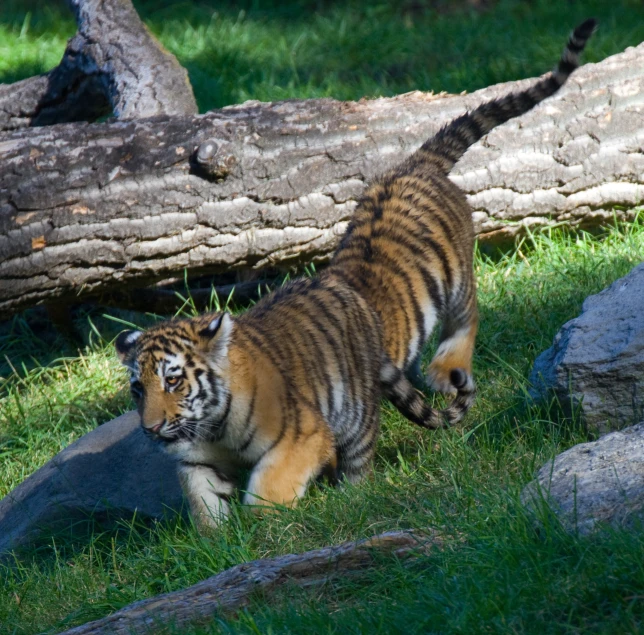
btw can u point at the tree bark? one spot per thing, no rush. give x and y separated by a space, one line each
87 209
41 100
113 64
235 587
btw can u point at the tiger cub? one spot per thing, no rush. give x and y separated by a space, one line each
289 389
409 247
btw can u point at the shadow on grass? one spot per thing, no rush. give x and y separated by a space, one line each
30 339
60 542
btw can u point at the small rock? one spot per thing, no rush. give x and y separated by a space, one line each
594 483
109 473
596 363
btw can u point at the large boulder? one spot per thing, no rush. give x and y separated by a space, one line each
110 473
596 363
594 483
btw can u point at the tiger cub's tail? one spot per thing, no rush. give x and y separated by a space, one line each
411 402
450 143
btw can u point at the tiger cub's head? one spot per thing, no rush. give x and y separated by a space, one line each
179 375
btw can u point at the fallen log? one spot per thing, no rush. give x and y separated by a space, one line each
92 209
235 587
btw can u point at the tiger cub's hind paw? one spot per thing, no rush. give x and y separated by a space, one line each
449 381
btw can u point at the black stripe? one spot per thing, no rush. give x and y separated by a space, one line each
220 427
245 445
576 47
475 128
209 466
316 364
566 67
248 419
361 451
550 85
526 101
362 284
440 196
419 250
421 254
460 135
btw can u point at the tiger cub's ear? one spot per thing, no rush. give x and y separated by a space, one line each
215 337
124 345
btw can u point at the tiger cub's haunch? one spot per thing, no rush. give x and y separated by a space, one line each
288 389
409 247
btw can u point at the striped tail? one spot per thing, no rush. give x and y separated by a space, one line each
411 402
451 141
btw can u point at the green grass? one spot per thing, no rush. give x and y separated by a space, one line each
497 573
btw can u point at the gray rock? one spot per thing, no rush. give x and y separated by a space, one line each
594 483
110 473
596 362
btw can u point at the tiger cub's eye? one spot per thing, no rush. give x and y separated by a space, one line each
172 381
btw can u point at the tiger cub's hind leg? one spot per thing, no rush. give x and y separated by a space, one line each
450 370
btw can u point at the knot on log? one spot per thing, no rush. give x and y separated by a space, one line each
216 159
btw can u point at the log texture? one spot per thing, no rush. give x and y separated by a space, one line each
40 100
87 209
112 64
235 587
